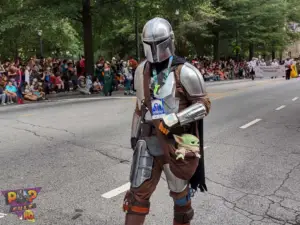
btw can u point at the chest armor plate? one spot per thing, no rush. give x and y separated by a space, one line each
167 92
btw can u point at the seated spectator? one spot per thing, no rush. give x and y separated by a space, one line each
41 90
52 83
28 95
89 83
3 81
11 92
34 88
97 87
72 75
46 78
2 96
81 82
59 83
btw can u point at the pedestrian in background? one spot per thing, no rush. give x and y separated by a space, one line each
288 68
108 79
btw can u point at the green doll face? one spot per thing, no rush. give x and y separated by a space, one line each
187 139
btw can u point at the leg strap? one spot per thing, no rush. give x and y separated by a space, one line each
183 211
133 205
183 201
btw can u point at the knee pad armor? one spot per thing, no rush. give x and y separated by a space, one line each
184 201
133 205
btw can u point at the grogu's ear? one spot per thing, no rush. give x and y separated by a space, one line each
178 139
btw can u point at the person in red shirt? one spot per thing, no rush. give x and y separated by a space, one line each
133 64
82 66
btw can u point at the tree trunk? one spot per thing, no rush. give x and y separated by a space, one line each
88 37
16 53
137 45
251 51
216 45
273 54
280 55
216 42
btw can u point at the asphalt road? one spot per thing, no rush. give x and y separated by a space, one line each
78 151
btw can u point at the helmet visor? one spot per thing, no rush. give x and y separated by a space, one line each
158 51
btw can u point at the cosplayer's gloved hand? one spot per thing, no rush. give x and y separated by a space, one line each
133 142
167 123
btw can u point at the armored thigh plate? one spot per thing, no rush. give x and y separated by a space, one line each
175 184
142 163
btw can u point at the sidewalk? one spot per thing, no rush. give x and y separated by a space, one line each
77 94
212 83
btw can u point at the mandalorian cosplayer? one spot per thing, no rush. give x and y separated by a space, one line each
171 100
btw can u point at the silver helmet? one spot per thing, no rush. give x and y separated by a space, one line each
158 40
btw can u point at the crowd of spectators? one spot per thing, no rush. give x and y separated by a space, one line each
33 80
222 69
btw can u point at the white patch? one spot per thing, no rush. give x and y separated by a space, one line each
2 215
250 124
280 107
294 99
117 191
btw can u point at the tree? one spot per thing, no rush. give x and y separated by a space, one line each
219 28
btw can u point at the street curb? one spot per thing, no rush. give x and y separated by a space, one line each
215 83
57 102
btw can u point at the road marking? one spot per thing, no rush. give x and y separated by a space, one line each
117 191
250 124
26 115
294 99
2 215
280 107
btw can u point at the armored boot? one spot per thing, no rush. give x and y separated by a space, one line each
176 223
134 219
183 216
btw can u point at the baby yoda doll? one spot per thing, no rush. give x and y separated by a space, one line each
186 143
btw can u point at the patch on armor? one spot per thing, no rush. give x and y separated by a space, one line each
158 110
156 89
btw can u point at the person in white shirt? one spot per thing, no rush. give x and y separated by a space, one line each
288 63
252 65
262 63
274 63
27 74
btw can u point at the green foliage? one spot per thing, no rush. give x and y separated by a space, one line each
199 25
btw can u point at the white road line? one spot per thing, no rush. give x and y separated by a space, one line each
121 189
250 124
280 107
2 215
294 99
117 191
